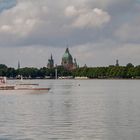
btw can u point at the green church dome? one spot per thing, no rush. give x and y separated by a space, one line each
67 56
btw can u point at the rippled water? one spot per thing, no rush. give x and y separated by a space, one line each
73 110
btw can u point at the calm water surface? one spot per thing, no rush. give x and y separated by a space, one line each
73 110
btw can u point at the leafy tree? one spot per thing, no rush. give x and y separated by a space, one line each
3 66
129 65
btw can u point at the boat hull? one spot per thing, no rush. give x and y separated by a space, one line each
25 90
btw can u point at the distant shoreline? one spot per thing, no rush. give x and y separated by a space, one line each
77 79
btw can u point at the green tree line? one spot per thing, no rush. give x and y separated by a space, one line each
31 72
128 71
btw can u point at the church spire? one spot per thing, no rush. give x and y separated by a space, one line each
50 62
67 50
51 57
18 64
117 62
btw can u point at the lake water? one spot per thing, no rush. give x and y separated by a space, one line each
73 110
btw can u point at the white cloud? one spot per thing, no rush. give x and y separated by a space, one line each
21 19
87 18
71 11
5 28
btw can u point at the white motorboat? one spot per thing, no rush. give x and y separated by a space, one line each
20 86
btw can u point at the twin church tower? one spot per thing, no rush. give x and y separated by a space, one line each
67 61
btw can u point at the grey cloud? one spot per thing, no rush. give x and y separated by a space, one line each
43 25
129 32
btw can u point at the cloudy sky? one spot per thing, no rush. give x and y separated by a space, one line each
97 31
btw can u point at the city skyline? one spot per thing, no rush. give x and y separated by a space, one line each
97 32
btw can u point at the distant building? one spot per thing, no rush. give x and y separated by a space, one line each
50 62
85 66
117 63
67 60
